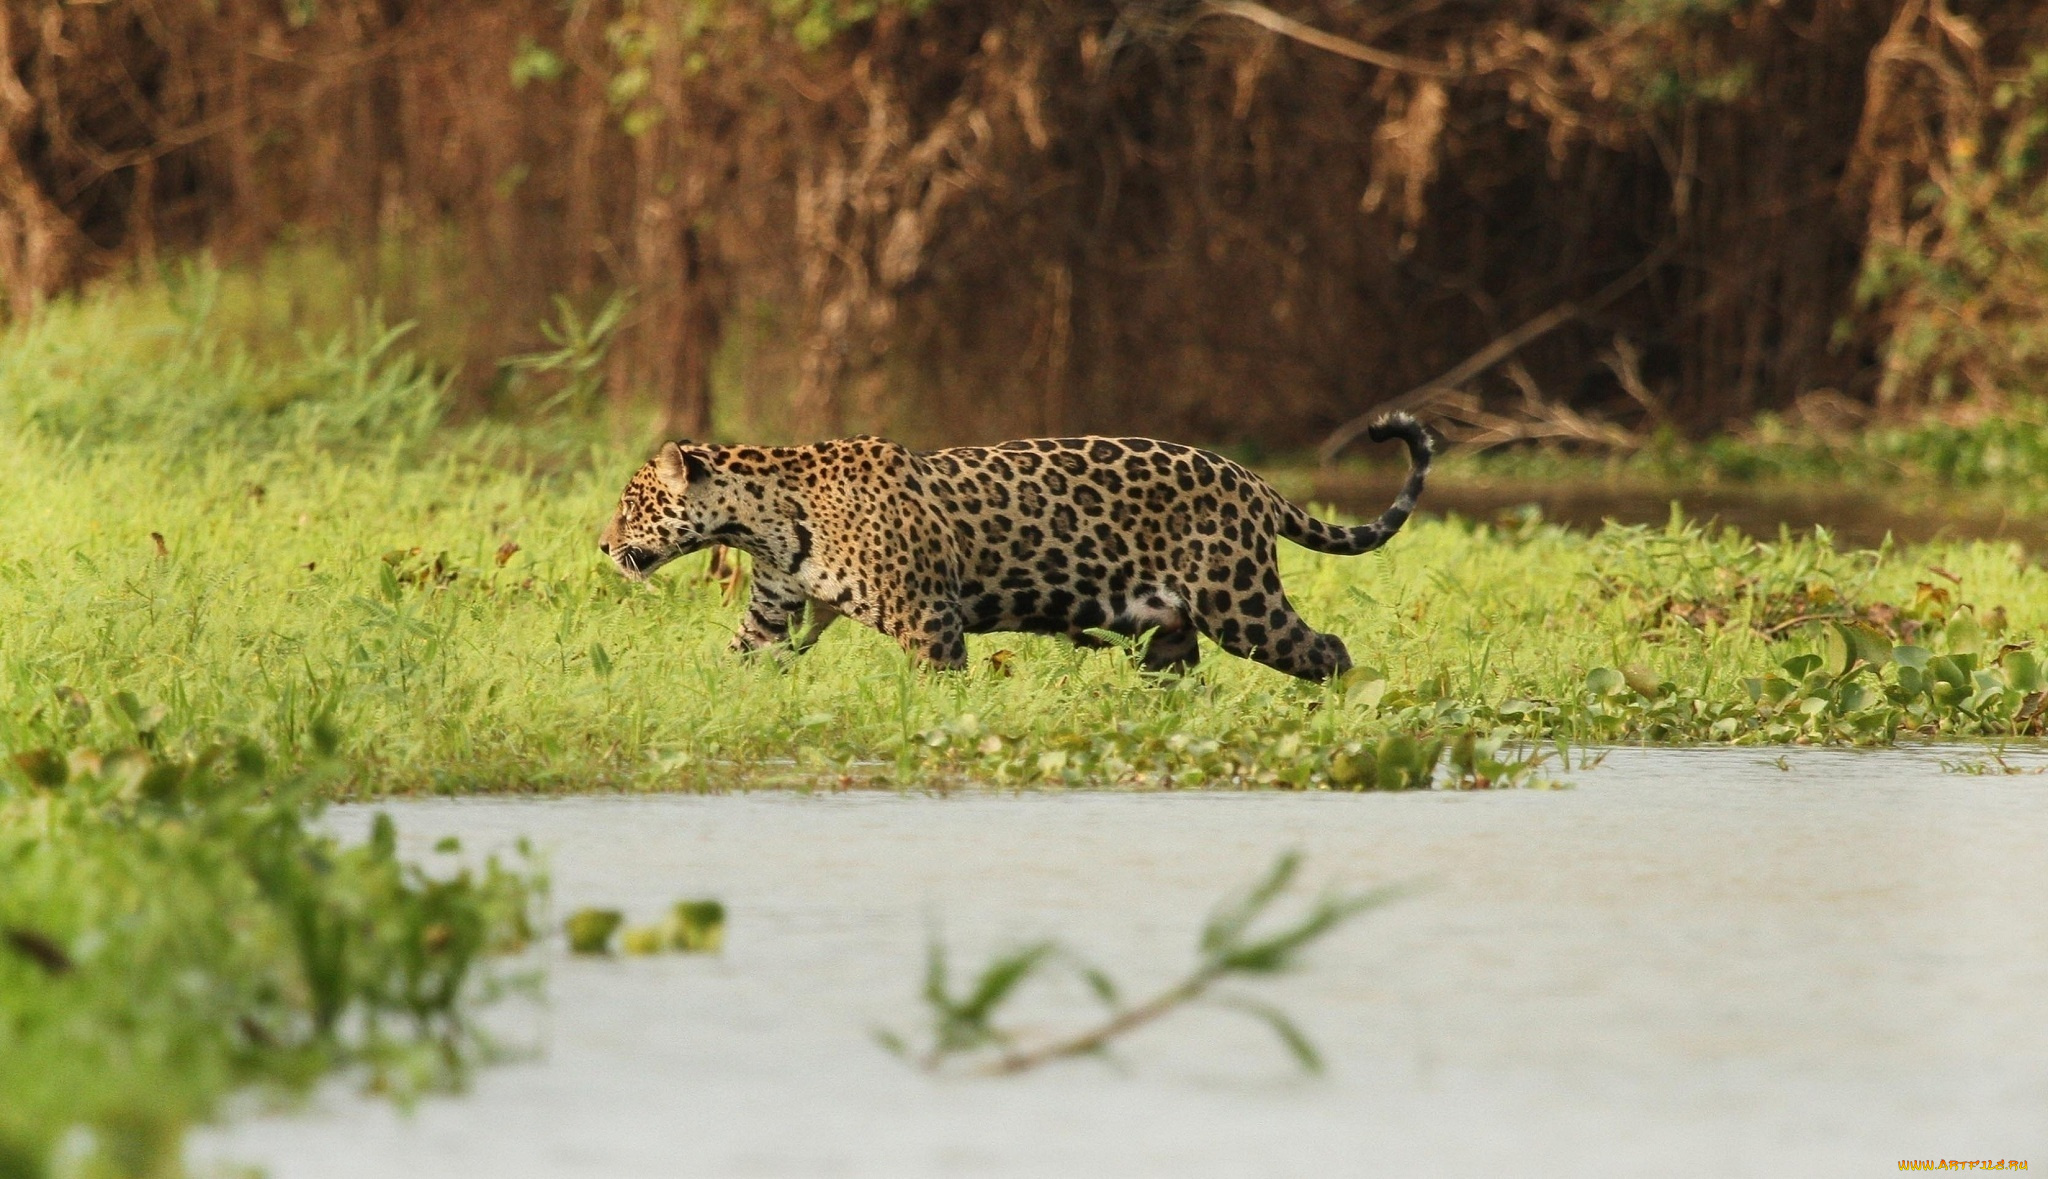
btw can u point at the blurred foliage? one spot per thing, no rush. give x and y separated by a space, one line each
1966 280
965 1027
175 927
1202 219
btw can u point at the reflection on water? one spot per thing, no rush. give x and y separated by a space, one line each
1856 518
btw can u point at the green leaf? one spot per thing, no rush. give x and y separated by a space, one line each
696 927
1605 681
534 63
590 930
1230 920
1298 1044
1964 634
1276 953
1000 978
1103 987
1858 696
2023 671
1862 645
1643 680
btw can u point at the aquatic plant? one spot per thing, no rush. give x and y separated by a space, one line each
964 1027
175 927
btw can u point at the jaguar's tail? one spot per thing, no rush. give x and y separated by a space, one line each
1309 532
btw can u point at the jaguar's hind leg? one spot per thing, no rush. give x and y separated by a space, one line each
1264 628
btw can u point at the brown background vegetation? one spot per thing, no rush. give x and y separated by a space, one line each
960 220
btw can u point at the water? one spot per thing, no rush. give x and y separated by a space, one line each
1695 963
1855 518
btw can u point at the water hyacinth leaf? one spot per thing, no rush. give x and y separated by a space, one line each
1605 681
124 772
1406 763
1353 769
1639 677
1800 666
250 760
590 930
2023 671
1951 672
1858 696
641 940
1864 645
1465 752
1836 656
1964 634
697 927
1908 655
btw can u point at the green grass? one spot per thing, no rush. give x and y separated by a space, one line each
217 552
333 551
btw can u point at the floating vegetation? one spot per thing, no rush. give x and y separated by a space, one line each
691 927
589 931
965 1029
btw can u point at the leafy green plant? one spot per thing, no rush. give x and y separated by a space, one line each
174 927
575 364
965 1027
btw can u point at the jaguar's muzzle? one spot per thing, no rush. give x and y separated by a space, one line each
634 562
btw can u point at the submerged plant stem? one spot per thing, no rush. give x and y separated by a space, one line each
1098 1038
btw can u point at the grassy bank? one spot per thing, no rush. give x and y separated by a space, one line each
218 552
332 553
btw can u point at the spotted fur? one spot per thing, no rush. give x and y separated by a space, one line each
1047 535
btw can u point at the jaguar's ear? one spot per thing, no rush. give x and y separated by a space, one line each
679 468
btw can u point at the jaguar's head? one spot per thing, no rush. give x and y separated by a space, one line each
663 513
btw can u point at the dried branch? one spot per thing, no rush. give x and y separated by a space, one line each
1271 21
1499 349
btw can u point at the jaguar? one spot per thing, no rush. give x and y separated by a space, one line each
1078 537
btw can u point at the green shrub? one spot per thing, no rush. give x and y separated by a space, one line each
173 928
